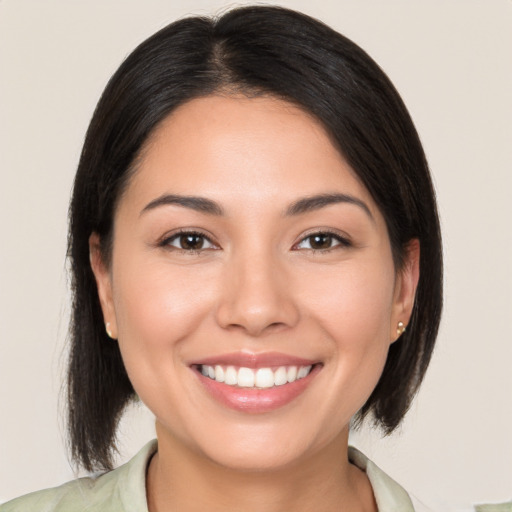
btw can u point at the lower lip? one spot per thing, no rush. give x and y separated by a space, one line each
257 400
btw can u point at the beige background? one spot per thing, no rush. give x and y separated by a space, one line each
451 61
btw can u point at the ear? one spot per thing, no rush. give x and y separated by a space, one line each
405 289
104 285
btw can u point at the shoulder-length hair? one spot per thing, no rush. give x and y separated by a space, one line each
253 51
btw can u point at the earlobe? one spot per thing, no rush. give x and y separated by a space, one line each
104 285
405 290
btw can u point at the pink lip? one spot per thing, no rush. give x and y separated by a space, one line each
250 360
255 400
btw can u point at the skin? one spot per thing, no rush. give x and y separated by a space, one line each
255 286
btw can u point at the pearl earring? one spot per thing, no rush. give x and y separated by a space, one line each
109 331
400 329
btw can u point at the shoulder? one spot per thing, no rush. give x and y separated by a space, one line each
389 495
72 496
496 507
123 490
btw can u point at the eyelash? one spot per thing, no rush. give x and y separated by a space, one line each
166 242
343 241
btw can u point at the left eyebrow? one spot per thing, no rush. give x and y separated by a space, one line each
200 204
312 203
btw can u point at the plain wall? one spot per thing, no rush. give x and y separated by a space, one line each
452 63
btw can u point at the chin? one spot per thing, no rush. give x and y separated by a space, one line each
247 459
270 447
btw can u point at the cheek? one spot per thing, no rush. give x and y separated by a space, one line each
354 303
158 305
354 311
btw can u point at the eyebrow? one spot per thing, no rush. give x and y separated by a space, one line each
319 201
304 205
200 204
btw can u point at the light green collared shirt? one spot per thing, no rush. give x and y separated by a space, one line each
124 490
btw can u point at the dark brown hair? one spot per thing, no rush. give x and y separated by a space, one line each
249 50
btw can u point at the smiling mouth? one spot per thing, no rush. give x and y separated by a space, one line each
260 378
255 383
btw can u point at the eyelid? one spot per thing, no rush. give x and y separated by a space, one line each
343 239
164 241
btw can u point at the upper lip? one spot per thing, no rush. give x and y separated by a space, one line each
252 360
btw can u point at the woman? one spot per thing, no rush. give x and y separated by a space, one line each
256 254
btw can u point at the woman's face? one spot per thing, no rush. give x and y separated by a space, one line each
245 248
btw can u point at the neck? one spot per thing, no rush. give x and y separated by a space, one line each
181 479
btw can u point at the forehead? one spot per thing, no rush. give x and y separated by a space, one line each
265 150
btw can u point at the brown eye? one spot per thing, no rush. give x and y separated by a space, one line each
322 241
189 242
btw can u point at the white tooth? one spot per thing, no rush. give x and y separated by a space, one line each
204 370
219 373
231 377
264 378
211 372
280 376
245 378
291 374
303 372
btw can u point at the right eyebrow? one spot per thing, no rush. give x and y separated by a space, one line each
200 204
312 203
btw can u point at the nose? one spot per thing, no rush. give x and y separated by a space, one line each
257 297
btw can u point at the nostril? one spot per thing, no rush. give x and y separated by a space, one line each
256 295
